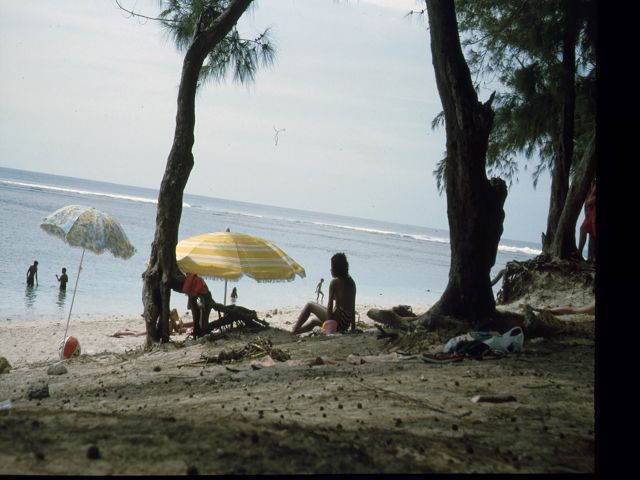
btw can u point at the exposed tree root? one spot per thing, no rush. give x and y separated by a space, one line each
525 285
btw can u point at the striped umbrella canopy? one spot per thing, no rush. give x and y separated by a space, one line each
232 255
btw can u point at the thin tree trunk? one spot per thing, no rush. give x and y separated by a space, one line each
474 204
162 274
564 155
564 241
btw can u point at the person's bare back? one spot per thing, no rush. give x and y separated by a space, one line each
341 305
344 295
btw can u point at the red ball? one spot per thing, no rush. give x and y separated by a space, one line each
69 347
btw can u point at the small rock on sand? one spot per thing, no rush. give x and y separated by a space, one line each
38 390
5 366
57 369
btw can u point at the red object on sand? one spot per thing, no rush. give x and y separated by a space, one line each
69 348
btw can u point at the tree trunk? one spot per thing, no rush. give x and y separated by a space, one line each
474 204
162 274
564 241
564 155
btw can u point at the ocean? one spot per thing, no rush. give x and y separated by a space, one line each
391 263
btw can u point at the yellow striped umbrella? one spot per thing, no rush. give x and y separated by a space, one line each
232 255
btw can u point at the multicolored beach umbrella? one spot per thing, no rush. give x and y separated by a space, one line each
89 229
232 255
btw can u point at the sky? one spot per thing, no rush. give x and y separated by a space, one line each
88 92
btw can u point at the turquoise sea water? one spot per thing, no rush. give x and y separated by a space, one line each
391 263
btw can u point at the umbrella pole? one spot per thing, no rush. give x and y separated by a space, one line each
74 296
225 292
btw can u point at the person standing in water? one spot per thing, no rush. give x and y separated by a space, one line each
341 305
63 279
32 274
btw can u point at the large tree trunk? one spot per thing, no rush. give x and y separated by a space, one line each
564 150
474 204
162 274
564 241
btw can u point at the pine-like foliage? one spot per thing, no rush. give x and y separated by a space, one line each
515 48
183 20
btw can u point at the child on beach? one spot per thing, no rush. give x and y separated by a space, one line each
234 296
319 292
341 305
63 279
176 325
32 273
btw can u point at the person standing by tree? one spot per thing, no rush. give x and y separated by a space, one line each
589 224
32 274
63 279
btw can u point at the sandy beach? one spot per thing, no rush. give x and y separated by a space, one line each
313 404
96 333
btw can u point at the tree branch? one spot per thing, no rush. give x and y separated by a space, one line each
139 15
222 24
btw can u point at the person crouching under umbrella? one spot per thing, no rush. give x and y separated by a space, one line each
200 302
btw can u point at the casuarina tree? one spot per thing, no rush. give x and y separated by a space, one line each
474 203
540 56
206 31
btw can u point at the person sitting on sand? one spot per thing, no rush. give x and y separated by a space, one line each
176 325
341 305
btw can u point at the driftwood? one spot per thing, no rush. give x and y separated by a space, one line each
256 348
235 316
542 324
385 334
393 319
